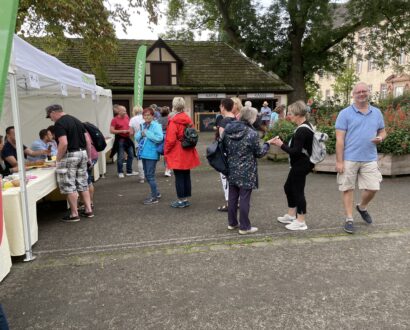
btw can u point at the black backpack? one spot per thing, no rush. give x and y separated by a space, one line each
96 136
190 138
217 158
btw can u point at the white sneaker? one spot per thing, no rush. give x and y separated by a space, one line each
286 218
141 181
131 174
233 227
167 173
121 175
249 231
297 225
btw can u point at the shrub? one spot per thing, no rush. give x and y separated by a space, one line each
396 114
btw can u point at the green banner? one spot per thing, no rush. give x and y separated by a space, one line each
139 77
8 14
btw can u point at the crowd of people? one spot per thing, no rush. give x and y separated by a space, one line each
154 131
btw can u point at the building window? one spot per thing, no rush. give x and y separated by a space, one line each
160 74
359 67
371 65
398 91
383 91
402 58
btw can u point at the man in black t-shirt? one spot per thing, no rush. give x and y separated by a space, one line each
73 157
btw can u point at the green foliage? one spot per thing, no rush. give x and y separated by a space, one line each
344 83
91 20
297 38
282 128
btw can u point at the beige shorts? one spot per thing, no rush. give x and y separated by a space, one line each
367 175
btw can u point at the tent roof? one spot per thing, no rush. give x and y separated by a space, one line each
27 59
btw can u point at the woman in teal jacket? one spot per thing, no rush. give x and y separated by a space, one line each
148 137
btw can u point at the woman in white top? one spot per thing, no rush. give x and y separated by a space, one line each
135 125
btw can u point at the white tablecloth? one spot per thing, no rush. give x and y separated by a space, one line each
102 156
13 215
5 259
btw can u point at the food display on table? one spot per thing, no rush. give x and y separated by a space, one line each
40 164
13 180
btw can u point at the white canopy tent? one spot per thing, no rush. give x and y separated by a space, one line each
37 80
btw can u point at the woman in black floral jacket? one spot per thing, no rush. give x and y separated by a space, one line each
241 143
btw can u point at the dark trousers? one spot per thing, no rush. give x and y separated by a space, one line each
183 183
149 166
3 321
244 196
295 186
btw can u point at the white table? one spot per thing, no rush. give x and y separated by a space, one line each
5 259
102 156
13 214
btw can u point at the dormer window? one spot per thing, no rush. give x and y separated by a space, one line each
161 65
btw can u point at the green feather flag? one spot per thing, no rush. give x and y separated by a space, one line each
139 77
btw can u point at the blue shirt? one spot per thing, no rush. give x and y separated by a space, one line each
266 112
38 145
360 129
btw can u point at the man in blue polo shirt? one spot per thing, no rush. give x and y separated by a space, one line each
359 128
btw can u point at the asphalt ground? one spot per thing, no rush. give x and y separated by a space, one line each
154 267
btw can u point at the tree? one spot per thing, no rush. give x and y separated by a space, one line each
344 83
296 38
91 20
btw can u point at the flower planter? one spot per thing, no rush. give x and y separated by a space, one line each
390 165
276 153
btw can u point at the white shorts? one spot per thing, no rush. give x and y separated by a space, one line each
367 174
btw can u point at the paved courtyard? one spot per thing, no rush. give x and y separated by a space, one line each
154 267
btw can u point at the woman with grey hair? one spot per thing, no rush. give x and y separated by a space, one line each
241 143
177 158
299 150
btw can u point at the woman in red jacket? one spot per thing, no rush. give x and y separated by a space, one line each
181 160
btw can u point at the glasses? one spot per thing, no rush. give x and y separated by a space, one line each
362 92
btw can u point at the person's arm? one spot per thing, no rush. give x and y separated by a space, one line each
11 160
155 133
381 136
258 150
62 147
35 153
118 131
88 146
340 146
171 137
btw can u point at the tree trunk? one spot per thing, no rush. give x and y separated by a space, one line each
296 78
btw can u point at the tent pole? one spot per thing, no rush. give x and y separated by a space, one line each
21 167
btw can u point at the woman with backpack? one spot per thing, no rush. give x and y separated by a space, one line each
178 156
299 149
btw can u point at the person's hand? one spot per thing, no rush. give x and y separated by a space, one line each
340 167
276 141
377 140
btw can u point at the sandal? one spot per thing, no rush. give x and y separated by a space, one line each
223 208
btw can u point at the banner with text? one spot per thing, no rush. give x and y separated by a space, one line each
139 77
8 13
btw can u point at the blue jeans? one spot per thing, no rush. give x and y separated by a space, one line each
149 166
130 152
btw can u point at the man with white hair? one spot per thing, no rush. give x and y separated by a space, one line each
359 128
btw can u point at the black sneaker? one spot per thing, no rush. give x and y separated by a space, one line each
69 218
150 200
364 214
348 227
159 195
87 214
